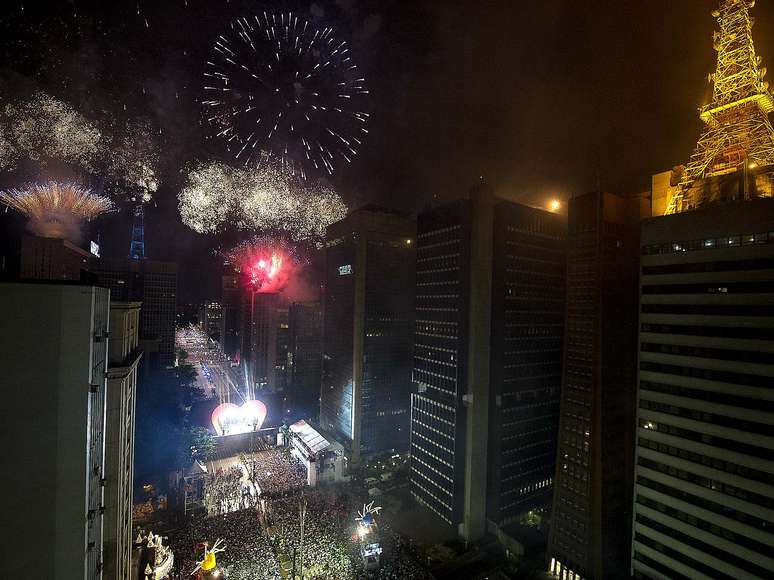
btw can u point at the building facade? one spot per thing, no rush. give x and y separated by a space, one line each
592 487
487 359
154 284
368 314
123 359
53 350
53 259
211 319
306 325
703 504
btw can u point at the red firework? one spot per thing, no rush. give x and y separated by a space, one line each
266 267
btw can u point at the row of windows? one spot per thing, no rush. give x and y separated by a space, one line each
704 417
710 309
709 396
680 557
707 439
704 525
749 356
758 287
658 567
715 331
719 266
707 374
721 555
713 462
701 502
714 485
709 244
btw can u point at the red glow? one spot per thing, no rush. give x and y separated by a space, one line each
267 269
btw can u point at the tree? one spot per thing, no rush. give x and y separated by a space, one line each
202 444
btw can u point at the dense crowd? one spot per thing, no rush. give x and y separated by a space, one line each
248 556
262 533
326 548
276 472
226 491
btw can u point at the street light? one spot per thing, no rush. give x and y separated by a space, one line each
555 205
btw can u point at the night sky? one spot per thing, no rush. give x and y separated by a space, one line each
541 99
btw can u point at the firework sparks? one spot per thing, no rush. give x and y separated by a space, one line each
266 263
266 198
46 129
57 210
134 160
275 83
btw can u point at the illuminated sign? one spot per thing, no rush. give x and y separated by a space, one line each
345 270
95 248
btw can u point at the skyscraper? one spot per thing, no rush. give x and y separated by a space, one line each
704 474
367 338
154 284
487 360
306 324
264 340
705 444
592 489
123 359
230 314
53 351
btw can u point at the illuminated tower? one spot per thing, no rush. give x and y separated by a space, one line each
738 134
137 246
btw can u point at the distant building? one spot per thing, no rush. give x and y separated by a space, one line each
230 314
264 339
306 325
487 360
155 285
53 259
123 358
704 484
211 319
53 352
367 338
589 533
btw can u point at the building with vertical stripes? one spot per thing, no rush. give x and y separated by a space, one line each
487 360
591 513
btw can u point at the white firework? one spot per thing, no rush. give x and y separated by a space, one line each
264 199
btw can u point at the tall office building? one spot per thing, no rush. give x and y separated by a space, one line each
53 352
368 315
306 324
705 443
264 340
154 284
230 314
123 359
703 503
487 360
590 523
211 319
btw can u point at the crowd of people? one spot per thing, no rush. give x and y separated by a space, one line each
227 491
263 533
275 472
325 554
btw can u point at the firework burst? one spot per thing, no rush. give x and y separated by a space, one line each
265 199
56 210
276 83
266 263
47 131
